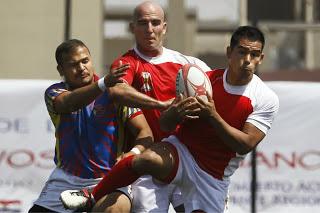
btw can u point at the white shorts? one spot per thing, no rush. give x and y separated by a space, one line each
60 181
149 195
199 189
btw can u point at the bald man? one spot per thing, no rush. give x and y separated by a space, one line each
151 79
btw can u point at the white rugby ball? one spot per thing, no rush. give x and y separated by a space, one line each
193 81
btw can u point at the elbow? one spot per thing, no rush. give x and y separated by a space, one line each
243 152
245 149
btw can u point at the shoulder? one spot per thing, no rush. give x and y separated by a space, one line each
215 74
128 57
266 97
54 90
57 86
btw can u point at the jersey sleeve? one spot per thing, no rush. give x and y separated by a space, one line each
265 111
50 95
130 112
124 136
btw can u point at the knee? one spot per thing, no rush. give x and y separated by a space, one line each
146 161
113 203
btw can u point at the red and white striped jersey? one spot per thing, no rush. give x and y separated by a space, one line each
254 103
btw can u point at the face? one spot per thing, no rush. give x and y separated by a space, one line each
77 68
149 29
243 60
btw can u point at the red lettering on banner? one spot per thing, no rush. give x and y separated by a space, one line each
310 157
290 162
47 156
262 159
23 158
308 160
15 159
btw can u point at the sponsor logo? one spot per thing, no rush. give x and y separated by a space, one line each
25 158
307 160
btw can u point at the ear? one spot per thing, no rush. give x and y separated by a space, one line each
261 58
164 28
131 27
60 70
228 52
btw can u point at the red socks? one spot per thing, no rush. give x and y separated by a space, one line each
120 175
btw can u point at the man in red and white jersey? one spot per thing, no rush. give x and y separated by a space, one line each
150 80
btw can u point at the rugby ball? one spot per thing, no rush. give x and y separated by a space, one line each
191 80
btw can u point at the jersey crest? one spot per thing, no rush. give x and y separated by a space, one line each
147 85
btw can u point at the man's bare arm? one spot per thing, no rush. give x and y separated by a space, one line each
126 95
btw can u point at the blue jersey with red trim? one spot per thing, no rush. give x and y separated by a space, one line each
86 139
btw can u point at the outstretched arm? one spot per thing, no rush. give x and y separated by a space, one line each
70 101
126 95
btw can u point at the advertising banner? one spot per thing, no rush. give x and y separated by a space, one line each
288 159
26 143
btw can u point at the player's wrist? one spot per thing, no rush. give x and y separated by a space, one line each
135 150
162 105
102 86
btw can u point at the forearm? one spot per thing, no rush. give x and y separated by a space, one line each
139 127
128 96
237 140
76 99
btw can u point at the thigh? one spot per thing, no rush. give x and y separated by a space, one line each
200 190
116 202
149 195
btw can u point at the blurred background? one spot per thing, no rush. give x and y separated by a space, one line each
32 29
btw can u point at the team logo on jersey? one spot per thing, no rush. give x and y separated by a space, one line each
147 85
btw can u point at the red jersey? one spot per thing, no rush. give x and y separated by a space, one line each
254 103
155 77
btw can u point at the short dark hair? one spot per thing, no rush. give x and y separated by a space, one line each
67 47
248 32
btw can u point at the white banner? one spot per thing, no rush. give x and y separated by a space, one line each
26 143
288 158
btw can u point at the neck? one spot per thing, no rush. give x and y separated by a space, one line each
150 53
235 79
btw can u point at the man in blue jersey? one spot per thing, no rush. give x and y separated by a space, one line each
89 130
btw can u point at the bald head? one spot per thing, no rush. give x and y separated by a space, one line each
149 27
148 7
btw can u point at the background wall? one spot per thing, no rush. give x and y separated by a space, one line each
32 29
